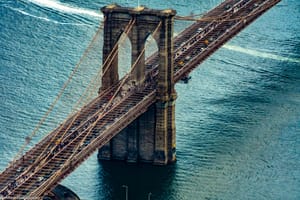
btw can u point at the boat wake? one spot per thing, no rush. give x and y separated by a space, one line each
66 8
45 18
260 54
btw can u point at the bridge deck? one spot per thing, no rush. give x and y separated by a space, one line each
41 168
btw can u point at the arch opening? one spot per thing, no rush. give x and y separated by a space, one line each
150 46
124 55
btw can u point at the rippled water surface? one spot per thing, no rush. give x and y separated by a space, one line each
237 120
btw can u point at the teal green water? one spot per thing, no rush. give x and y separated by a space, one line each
237 120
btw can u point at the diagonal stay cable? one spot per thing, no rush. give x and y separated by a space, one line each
44 158
116 92
68 161
54 138
37 127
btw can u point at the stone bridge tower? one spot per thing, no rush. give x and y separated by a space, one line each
151 137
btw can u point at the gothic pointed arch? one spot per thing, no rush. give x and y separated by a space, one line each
151 46
124 53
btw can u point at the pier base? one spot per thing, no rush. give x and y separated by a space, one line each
151 137
148 139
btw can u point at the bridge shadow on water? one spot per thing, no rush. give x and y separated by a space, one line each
140 180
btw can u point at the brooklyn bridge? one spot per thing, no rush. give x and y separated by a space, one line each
133 117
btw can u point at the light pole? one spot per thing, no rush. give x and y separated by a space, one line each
126 191
149 195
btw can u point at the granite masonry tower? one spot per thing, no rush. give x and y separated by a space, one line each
151 137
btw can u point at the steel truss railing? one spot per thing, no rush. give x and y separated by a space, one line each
198 44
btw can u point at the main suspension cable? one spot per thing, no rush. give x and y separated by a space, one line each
50 109
68 161
128 28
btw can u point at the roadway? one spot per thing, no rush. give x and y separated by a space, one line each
40 169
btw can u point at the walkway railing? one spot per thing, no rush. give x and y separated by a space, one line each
95 124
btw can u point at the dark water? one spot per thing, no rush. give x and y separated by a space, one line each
238 119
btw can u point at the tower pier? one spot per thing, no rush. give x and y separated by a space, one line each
151 137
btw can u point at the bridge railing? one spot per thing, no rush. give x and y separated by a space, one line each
123 121
89 138
251 11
